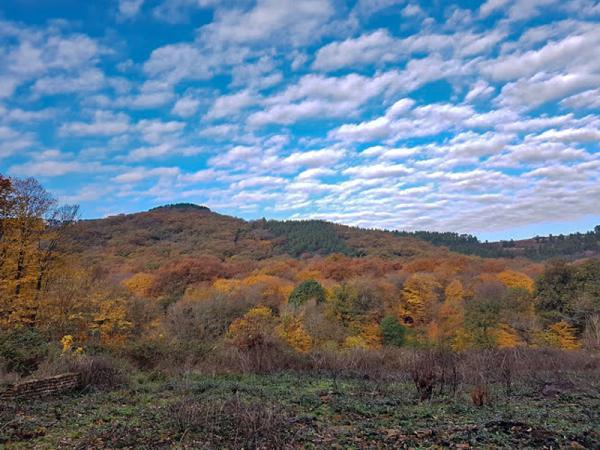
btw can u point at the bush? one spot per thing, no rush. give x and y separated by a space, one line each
234 422
392 331
99 372
146 354
307 290
22 350
208 318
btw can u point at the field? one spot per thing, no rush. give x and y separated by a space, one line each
304 411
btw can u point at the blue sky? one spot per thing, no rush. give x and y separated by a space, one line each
478 117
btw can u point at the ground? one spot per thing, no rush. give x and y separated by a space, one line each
299 411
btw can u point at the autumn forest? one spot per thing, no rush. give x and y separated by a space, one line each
182 289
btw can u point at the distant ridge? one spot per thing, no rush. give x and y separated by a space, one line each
170 232
182 206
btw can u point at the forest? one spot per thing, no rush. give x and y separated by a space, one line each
181 290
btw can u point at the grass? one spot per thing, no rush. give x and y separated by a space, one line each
298 411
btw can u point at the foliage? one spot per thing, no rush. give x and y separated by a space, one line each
569 291
506 336
252 330
22 350
292 331
392 331
420 294
516 280
561 335
356 301
32 227
140 283
538 248
180 282
307 236
307 290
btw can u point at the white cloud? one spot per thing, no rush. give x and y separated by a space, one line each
53 168
491 6
230 105
88 81
585 100
480 89
381 170
154 130
542 88
375 47
314 158
130 8
279 21
317 172
105 123
138 174
570 135
573 50
316 95
176 62
185 107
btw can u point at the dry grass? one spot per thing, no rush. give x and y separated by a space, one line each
234 422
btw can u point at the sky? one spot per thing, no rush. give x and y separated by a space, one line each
473 117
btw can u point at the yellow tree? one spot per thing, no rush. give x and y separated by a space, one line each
292 331
452 312
139 284
506 336
420 294
561 335
253 329
371 335
516 280
32 228
110 321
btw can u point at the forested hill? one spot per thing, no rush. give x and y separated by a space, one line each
570 246
170 232
185 230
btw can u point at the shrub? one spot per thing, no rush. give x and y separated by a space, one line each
392 331
146 354
423 371
209 318
307 290
234 422
22 350
99 372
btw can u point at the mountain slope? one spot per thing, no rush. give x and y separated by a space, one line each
150 239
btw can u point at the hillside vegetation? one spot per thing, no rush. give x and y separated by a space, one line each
166 233
570 246
181 289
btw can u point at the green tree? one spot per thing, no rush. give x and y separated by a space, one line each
307 290
392 331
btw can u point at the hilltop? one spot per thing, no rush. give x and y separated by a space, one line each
150 239
185 230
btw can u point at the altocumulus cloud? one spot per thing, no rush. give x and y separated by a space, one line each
466 117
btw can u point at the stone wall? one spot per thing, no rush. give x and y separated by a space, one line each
41 387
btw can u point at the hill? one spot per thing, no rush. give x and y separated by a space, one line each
171 232
150 239
571 246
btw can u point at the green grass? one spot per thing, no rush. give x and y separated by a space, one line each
315 412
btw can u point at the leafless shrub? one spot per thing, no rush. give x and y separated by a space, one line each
234 422
591 336
95 372
479 395
423 372
6 377
269 357
387 364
